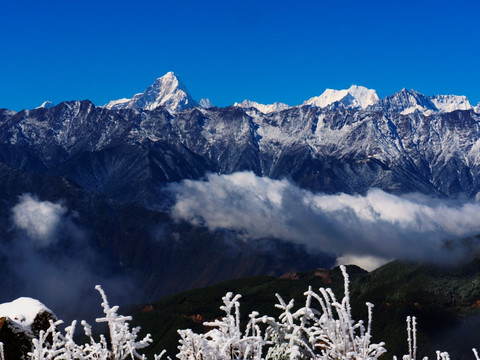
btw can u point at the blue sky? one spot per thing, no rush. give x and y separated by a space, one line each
228 50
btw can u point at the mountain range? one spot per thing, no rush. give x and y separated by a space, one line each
342 141
109 166
168 91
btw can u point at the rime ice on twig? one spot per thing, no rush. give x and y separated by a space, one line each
123 340
226 340
329 333
53 345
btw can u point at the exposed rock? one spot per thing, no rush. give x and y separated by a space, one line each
17 341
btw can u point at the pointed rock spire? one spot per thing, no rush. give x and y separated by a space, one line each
167 91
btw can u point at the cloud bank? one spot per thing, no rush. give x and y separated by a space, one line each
377 226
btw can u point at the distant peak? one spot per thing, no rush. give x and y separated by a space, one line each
355 96
167 91
448 103
411 101
356 87
205 103
169 76
46 105
275 107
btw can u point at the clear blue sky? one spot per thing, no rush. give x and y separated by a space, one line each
230 50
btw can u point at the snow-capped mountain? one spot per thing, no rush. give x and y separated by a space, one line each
354 97
341 141
275 107
167 91
403 102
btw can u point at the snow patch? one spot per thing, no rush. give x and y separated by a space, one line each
22 310
417 108
117 104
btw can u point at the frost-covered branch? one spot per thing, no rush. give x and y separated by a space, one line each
226 341
123 340
329 333
54 345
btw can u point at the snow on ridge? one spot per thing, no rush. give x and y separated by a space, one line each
114 104
269 108
22 310
355 97
416 108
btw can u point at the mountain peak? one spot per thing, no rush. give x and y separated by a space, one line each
275 107
354 97
410 101
169 78
205 103
169 74
447 103
167 91
46 105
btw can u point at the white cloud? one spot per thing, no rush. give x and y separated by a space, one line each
379 224
39 219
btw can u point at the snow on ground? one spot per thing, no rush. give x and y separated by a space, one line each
22 310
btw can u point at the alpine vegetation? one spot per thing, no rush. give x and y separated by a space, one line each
322 329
